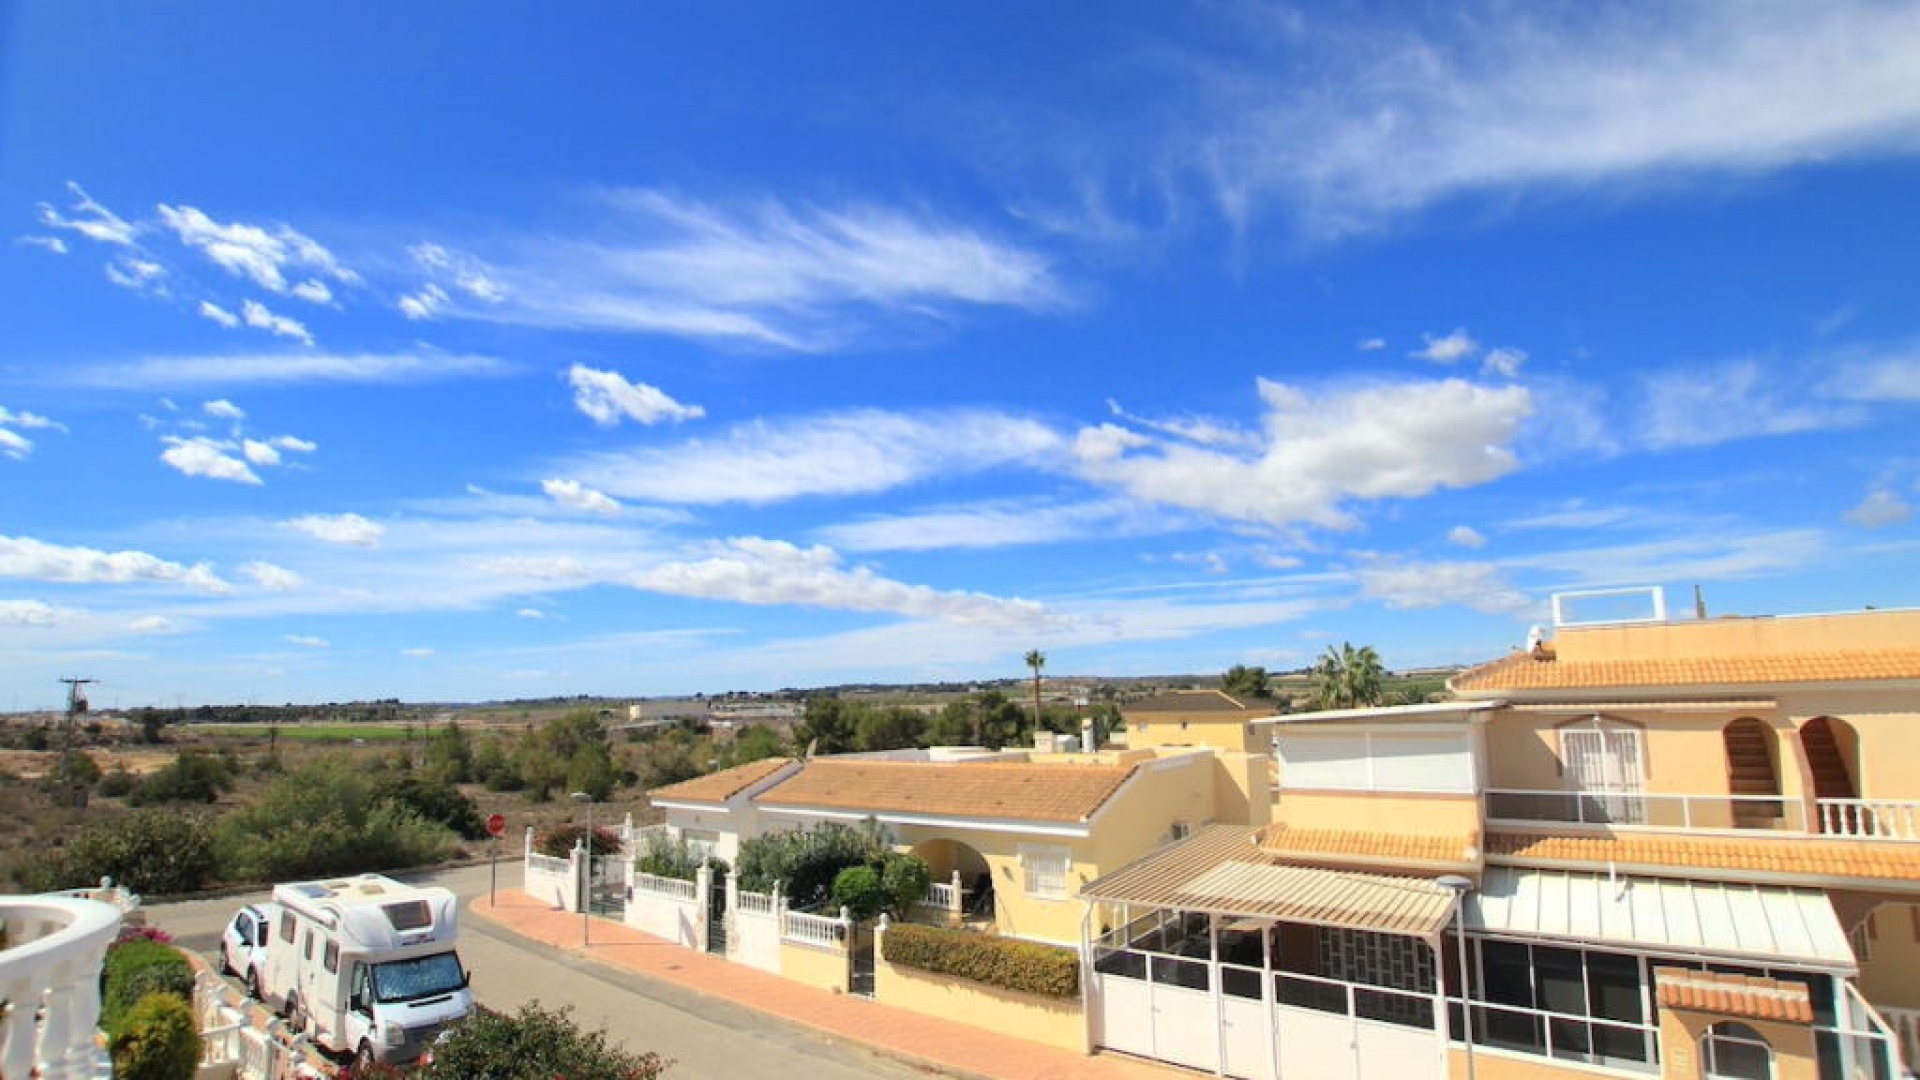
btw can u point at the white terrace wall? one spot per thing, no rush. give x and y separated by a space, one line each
753 936
554 881
670 908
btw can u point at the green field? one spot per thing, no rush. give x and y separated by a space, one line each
315 732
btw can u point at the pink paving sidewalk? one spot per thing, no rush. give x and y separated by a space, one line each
925 1041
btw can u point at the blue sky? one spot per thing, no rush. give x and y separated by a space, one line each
478 351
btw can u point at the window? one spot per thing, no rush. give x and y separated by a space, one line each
1385 960
702 844
1736 1052
408 915
330 956
306 945
286 927
1862 939
1046 870
1377 761
1573 1004
1602 762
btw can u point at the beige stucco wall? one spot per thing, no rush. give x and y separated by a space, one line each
1886 721
814 965
1719 637
1891 978
1391 812
1793 1049
1503 1065
1053 1021
1229 731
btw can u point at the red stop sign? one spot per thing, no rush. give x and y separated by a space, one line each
496 824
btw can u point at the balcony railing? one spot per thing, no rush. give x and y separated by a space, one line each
50 977
1856 819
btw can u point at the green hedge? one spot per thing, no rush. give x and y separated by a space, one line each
157 1040
135 969
1026 966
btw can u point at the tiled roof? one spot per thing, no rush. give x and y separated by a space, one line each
1348 846
1199 701
1014 791
1219 870
1521 671
723 785
1734 995
1726 856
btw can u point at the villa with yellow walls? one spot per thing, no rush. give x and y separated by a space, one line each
1675 849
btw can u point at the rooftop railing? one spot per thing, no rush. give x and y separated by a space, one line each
50 980
1854 819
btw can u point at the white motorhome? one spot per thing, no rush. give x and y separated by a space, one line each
366 965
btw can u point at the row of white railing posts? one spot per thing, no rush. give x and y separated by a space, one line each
50 978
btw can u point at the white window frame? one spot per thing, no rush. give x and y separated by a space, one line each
1725 1033
1364 776
1043 881
1605 760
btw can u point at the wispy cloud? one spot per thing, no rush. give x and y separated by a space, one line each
348 529
769 273
183 372
137 274
1466 536
1710 405
262 255
607 397
205 457
15 445
1447 348
35 560
88 218
1475 585
53 244
1882 507
1349 128
215 313
996 525
258 315
849 453
271 577
1321 453
1892 376
751 570
306 641
574 495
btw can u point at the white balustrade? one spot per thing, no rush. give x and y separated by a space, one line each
50 979
824 930
1649 810
675 888
755 903
1870 819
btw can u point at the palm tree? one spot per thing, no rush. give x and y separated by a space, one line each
1036 660
1348 678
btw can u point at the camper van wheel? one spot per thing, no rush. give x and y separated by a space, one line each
363 1061
296 1016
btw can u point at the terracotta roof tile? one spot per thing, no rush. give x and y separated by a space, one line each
1015 791
1734 995
1358 846
1812 857
723 785
1521 671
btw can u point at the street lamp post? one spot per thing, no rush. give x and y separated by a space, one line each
586 873
1461 886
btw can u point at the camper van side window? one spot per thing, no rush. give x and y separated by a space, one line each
331 957
286 927
306 945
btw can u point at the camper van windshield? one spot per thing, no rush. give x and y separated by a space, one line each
425 976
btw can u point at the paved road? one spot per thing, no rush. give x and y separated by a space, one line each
706 1039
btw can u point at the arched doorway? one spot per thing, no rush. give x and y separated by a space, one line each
1833 760
1753 774
949 860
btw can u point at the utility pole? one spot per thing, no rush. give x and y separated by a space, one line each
76 704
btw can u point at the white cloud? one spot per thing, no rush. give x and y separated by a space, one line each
151 624
993 526
1466 536
45 243
1395 116
1881 507
847 453
752 570
259 453
223 409
255 314
258 254
28 420
23 557
424 304
466 273
576 496
1198 429
1707 406
1709 556
139 275
530 613
213 311
606 397
1504 362
769 273
211 458
27 613
1388 440
416 653
313 291
1891 378
289 368
270 577
89 219
15 445
348 529
297 445
1372 344
305 641
1448 349
1479 586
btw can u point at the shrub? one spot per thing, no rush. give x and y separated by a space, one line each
118 783
327 817
136 969
148 851
857 888
533 1044
663 856
192 777
561 839
1026 966
440 802
905 880
158 1040
806 862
